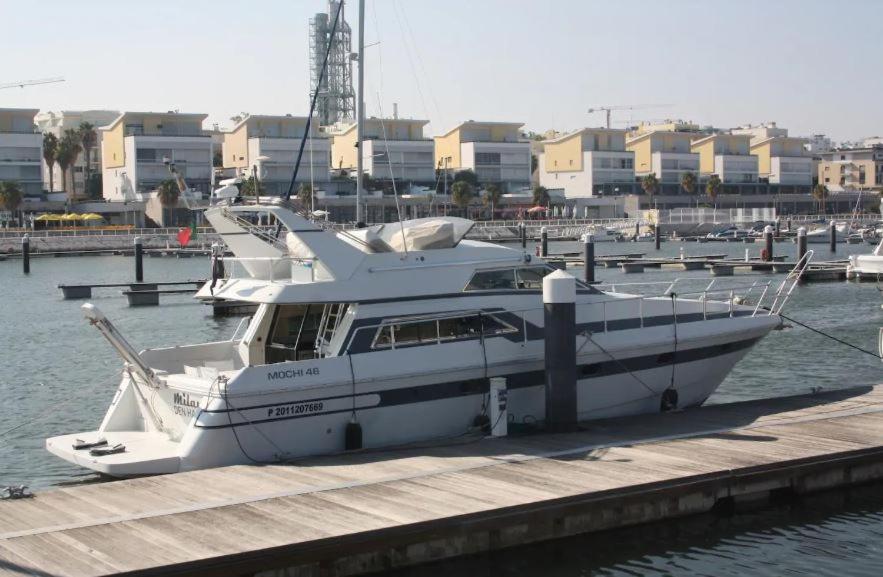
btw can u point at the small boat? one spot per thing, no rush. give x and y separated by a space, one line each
866 265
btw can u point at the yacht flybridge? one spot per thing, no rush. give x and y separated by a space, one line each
397 328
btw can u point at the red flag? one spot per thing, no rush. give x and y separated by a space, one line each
184 236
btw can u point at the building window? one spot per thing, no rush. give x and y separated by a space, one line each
571 162
487 158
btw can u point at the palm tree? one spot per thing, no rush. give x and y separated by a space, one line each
541 196
461 194
75 147
88 138
820 193
713 187
50 148
492 196
168 194
650 184
688 182
63 156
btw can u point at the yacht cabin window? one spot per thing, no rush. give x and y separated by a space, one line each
302 331
439 330
522 278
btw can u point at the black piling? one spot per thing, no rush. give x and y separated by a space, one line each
833 238
589 258
559 298
778 227
656 232
26 254
139 260
544 242
801 243
768 243
637 230
523 236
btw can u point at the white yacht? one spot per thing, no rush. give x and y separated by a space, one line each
869 266
397 328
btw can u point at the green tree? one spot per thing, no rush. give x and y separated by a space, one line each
492 196
541 196
820 193
305 195
467 176
650 184
534 163
168 194
713 188
88 140
461 194
246 188
688 182
63 156
10 195
217 160
94 185
50 149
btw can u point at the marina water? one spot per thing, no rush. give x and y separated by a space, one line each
58 375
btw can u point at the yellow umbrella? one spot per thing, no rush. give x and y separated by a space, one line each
91 216
71 217
45 217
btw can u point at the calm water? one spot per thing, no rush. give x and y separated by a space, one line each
57 375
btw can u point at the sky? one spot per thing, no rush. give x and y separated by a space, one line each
811 66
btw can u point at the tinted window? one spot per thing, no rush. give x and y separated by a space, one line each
531 278
444 329
492 279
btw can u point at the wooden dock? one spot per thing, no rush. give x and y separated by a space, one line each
367 511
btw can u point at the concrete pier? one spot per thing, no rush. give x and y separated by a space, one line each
369 511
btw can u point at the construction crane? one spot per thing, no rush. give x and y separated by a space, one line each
609 109
24 83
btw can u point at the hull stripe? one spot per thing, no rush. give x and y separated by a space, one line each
455 389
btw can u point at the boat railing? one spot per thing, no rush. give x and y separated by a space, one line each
716 303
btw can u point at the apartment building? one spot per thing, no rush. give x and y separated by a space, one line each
269 144
21 150
391 147
587 163
495 151
666 126
783 160
57 122
850 169
135 146
666 154
729 157
759 132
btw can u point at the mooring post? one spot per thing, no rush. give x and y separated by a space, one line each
768 243
139 260
778 227
544 242
26 254
656 232
801 243
637 230
589 258
559 312
523 236
833 232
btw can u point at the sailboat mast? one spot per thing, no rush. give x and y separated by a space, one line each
360 108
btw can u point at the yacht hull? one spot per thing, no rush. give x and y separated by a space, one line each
619 373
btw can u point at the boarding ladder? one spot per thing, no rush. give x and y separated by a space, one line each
331 318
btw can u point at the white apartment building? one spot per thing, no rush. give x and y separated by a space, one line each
21 150
268 144
495 151
136 144
728 156
56 123
667 155
784 160
392 147
587 163
760 131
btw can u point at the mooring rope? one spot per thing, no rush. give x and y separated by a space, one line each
832 337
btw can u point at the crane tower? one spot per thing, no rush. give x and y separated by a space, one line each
336 98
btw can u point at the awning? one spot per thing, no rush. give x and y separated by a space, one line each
46 217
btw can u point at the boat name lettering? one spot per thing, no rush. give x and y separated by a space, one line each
291 373
297 409
184 406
